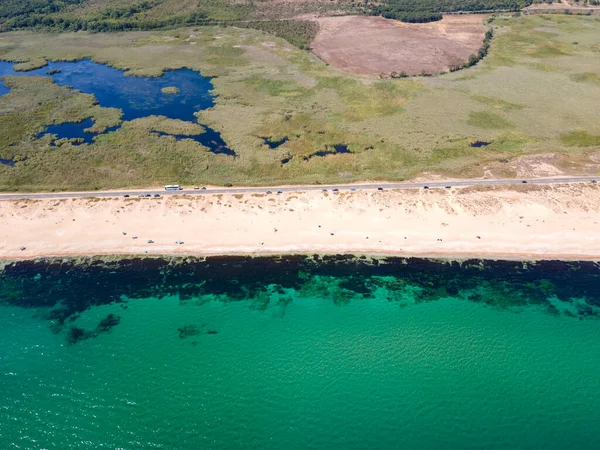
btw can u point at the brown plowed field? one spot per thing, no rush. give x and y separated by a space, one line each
374 45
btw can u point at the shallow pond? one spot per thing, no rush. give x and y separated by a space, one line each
478 144
275 143
136 96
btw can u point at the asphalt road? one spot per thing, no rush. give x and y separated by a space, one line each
275 190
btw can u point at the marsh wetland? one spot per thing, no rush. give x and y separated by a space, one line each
274 103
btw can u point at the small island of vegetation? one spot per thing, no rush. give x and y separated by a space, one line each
170 90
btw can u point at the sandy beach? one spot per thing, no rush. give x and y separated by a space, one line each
524 222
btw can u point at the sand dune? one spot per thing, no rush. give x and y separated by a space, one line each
525 222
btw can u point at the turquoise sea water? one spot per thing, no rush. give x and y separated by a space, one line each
357 359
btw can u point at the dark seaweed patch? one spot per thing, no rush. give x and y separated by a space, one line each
65 288
188 330
108 322
77 334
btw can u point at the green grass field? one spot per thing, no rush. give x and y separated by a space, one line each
537 92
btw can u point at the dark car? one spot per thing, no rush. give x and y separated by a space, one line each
380 189
156 195
335 189
279 192
126 196
593 181
524 181
448 187
269 192
425 187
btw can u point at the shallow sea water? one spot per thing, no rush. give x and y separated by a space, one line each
353 359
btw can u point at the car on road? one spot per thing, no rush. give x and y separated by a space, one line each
126 196
196 188
425 187
593 181
335 189
269 192
203 188
156 195
524 181
279 192
448 187
353 189
380 189
148 195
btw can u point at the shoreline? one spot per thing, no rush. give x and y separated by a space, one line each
516 257
525 223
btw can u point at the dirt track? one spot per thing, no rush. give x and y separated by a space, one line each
373 45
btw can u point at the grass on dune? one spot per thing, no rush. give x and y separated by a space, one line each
580 138
587 77
486 119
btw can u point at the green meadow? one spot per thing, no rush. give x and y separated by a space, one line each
537 92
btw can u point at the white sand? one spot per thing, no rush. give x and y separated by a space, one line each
560 221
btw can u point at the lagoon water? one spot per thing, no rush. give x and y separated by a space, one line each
230 354
136 97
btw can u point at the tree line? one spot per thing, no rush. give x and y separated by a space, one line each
431 10
22 8
481 53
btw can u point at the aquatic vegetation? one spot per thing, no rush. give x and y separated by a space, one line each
77 334
566 289
107 323
191 330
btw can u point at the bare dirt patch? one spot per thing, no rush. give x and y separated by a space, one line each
374 45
